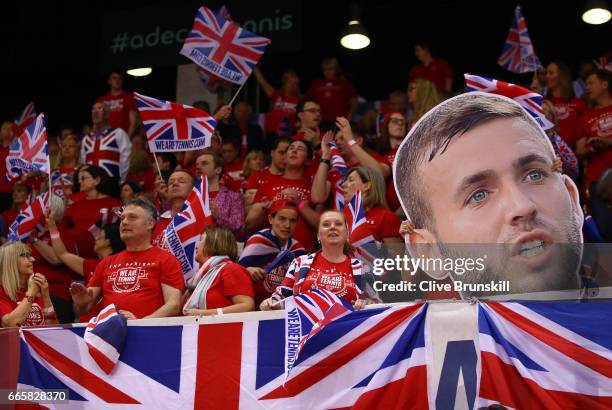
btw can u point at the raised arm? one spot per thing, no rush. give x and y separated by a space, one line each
320 185
265 85
74 262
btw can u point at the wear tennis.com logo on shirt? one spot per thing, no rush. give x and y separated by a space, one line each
127 279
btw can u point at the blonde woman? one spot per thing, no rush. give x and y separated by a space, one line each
569 108
24 295
253 162
383 223
423 96
331 268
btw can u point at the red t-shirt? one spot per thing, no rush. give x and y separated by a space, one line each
383 223
232 175
272 190
120 106
438 71
80 216
283 107
160 228
89 266
392 199
569 113
232 280
133 280
334 97
597 123
36 317
335 277
8 216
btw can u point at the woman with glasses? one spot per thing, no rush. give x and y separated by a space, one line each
24 295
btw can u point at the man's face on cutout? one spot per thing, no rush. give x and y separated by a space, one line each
494 185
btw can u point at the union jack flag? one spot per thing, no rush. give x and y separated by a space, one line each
529 100
183 233
103 151
223 48
545 355
360 235
338 164
174 127
604 62
60 181
29 153
518 54
364 359
262 248
307 313
28 219
27 116
105 337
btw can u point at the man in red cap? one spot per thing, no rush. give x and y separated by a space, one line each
268 253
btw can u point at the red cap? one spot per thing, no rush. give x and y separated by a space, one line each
278 205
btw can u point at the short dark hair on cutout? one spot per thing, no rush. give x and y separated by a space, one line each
432 136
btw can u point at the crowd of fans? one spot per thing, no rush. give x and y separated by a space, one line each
272 195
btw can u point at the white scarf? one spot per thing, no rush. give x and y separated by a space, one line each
201 282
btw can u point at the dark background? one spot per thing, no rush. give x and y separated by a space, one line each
51 51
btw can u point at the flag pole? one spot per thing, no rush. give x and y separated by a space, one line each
237 92
157 163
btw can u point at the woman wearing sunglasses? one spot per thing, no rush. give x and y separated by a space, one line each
24 295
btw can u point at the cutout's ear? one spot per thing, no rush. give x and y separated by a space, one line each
574 194
422 243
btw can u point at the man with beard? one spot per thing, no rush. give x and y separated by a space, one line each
478 172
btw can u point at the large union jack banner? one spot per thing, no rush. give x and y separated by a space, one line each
545 355
174 127
183 233
529 100
365 359
518 54
223 48
28 153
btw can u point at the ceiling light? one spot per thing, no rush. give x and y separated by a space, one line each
596 12
140 72
355 36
